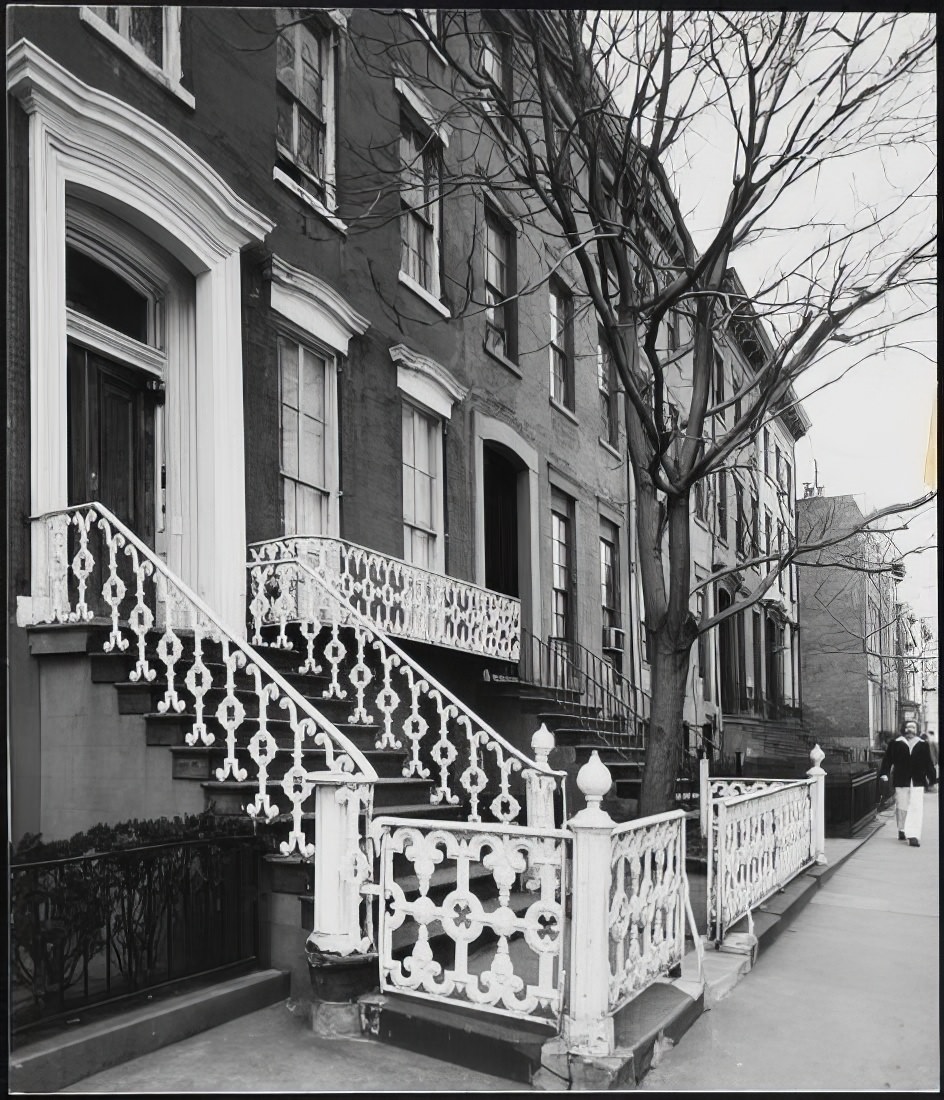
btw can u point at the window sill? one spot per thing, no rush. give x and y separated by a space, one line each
144 63
563 409
422 292
506 363
309 199
608 446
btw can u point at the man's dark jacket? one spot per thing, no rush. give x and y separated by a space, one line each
907 767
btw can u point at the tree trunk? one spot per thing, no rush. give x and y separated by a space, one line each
669 676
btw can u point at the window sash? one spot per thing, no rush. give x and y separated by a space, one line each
305 103
497 284
145 28
420 200
560 343
305 432
421 458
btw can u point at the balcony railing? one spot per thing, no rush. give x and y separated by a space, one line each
407 601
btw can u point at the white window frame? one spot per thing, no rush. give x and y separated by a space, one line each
169 73
330 490
327 42
429 214
561 342
436 530
497 223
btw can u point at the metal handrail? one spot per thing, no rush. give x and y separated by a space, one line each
586 674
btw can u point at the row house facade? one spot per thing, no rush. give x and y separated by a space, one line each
852 625
245 308
744 677
240 312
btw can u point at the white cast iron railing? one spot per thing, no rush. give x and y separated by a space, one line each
447 743
649 903
483 968
407 601
757 843
98 569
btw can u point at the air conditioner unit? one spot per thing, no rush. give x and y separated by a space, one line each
613 638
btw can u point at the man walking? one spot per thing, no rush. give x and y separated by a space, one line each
908 760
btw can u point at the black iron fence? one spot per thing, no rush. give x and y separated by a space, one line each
598 695
853 797
93 928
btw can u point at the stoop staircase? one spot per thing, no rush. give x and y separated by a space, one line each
317 726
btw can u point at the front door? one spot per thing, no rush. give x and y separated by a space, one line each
111 438
501 523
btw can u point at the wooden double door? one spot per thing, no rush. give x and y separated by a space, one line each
112 410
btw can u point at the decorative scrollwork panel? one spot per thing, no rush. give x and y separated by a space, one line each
647 905
487 906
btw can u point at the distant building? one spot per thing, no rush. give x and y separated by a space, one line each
851 641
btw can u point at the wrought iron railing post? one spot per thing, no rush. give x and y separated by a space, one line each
588 1026
818 799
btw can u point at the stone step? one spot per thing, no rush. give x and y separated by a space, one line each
390 794
200 761
171 729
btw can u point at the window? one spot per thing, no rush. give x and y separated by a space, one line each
722 506
495 64
736 384
755 533
778 468
561 569
766 452
420 217
788 484
700 498
308 439
305 107
143 27
610 586
606 380
672 330
500 284
768 532
422 501
562 344
740 524
702 650
719 380
149 36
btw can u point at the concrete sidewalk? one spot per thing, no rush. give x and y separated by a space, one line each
273 1049
848 1000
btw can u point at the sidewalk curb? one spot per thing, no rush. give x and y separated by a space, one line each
49 1065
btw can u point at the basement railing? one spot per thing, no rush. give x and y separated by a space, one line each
464 758
607 702
407 601
98 570
762 833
